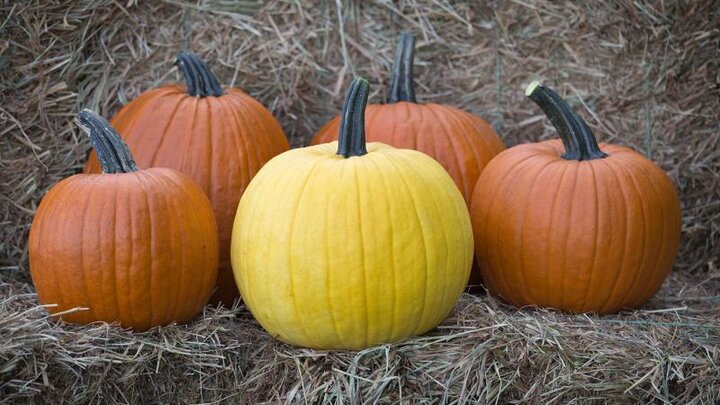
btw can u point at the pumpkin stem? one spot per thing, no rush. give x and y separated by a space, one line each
112 152
351 139
401 82
577 137
200 80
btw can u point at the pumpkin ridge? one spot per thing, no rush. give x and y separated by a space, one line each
177 242
508 183
328 273
645 231
127 207
250 223
162 138
67 185
647 292
392 244
201 295
362 257
147 228
169 204
82 250
243 123
645 287
462 119
101 298
625 298
209 282
566 238
237 136
459 117
438 117
291 233
115 198
433 197
610 298
482 227
522 219
548 270
595 239
392 161
209 145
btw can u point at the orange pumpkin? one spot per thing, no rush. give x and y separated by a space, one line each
138 247
220 138
461 142
574 225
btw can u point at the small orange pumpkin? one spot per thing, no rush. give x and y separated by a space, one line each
461 142
138 247
220 138
574 225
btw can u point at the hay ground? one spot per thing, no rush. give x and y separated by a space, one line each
645 74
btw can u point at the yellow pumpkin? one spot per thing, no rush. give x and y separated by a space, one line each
346 245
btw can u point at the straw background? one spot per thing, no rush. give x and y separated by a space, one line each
645 74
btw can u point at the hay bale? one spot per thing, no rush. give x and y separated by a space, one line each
644 74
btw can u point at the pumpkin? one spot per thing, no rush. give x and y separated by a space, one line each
138 247
461 142
571 224
220 138
346 245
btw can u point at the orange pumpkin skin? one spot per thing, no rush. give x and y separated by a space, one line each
220 142
139 248
596 235
461 142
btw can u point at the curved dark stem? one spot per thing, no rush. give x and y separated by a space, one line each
200 81
401 82
112 152
351 139
577 137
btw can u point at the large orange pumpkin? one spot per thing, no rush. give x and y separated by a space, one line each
574 225
138 247
461 142
220 138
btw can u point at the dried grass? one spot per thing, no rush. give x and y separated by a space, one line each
645 74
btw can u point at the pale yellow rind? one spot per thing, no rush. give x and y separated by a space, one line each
336 253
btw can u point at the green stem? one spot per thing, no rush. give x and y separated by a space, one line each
577 137
401 82
351 139
112 152
200 80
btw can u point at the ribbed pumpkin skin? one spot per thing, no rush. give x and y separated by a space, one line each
337 253
581 236
140 248
461 142
220 142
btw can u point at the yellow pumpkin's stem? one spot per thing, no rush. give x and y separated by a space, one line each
401 81
351 138
112 152
577 137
